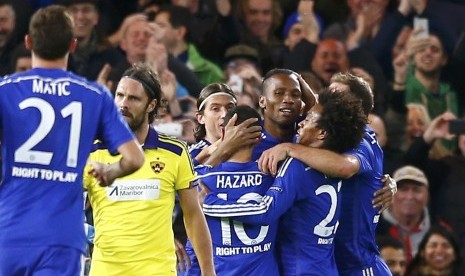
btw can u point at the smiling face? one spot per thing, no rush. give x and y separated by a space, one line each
85 17
133 102
212 115
432 58
136 40
308 133
410 200
258 17
281 100
330 58
439 253
417 122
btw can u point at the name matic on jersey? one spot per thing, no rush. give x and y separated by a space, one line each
44 174
51 88
228 251
238 181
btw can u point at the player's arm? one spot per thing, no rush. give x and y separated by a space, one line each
197 229
330 163
132 159
308 97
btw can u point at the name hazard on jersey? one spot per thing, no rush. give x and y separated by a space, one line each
52 175
238 181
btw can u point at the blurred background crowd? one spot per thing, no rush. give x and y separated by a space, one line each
411 52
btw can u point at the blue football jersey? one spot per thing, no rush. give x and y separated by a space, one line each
267 142
356 247
238 248
309 203
196 148
49 121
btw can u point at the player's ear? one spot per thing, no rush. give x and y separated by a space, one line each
28 42
72 45
322 134
152 105
262 102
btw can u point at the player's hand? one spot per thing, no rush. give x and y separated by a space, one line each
183 259
385 195
99 172
242 134
268 161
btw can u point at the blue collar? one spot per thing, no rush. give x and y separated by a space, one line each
151 142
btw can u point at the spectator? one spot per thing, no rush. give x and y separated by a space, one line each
243 74
423 83
393 253
418 121
260 19
215 24
303 24
93 50
21 59
7 38
135 42
438 254
408 218
174 23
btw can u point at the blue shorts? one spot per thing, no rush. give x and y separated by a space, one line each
40 261
378 268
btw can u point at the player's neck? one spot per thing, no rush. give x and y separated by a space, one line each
241 156
141 133
60 63
279 132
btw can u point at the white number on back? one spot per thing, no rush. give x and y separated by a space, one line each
322 229
25 154
239 226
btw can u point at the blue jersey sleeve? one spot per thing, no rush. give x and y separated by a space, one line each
264 210
362 153
113 134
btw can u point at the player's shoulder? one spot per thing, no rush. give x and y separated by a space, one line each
290 165
172 144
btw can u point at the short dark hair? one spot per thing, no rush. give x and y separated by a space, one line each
149 80
342 119
51 32
358 87
273 72
179 17
244 112
19 52
388 241
213 88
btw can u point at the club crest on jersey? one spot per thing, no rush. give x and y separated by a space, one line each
157 166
